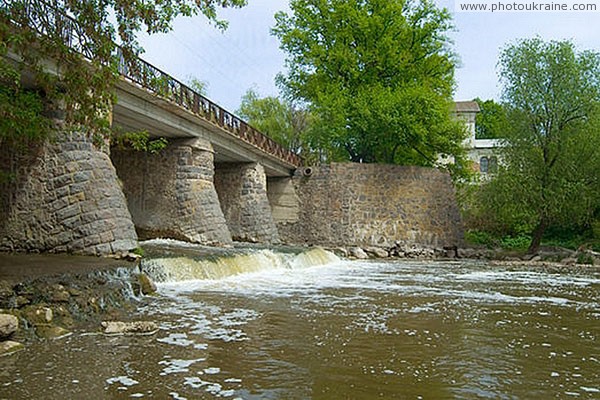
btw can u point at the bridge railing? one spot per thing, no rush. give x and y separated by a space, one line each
41 16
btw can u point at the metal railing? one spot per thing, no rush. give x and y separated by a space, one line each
42 17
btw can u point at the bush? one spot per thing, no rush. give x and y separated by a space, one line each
481 238
585 258
520 242
595 226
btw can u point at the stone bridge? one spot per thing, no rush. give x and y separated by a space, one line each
217 181
209 185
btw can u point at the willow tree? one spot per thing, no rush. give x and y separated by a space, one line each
552 151
79 37
377 74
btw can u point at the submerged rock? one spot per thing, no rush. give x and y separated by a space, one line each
147 287
136 327
10 347
8 325
51 331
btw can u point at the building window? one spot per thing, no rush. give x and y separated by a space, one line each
493 165
483 164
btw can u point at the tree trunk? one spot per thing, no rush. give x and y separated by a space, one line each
537 234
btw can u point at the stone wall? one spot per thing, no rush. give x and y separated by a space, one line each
171 193
369 204
63 196
242 189
285 203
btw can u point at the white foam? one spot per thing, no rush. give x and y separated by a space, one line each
175 366
123 380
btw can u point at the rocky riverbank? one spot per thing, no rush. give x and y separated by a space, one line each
49 306
557 255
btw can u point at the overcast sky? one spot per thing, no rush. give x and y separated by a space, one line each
246 55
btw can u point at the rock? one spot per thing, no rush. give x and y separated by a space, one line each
413 252
63 317
132 257
377 252
147 287
10 347
6 294
340 252
8 325
528 257
75 292
61 296
136 327
469 253
450 252
397 250
569 261
357 252
51 331
394 252
21 301
38 315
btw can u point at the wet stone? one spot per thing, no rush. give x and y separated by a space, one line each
8 325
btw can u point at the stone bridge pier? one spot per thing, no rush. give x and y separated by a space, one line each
242 190
171 193
60 196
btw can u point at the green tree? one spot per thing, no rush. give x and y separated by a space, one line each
492 121
376 74
82 48
278 119
552 153
198 85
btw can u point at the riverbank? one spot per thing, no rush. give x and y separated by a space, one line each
54 295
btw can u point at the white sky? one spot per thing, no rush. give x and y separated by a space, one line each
246 55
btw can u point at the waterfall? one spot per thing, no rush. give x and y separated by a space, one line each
184 268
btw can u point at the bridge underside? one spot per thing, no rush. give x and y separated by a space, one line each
138 110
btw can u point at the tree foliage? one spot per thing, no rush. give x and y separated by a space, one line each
278 119
552 152
37 32
491 121
198 85
378 76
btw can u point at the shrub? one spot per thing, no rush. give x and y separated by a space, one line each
519 242
585 258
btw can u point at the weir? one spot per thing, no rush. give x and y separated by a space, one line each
187 268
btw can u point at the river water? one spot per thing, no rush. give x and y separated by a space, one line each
271 325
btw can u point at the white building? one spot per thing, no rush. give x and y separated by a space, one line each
480 151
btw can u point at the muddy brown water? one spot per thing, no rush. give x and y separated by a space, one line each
279 327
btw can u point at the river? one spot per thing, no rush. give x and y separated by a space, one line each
271 325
